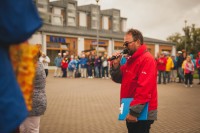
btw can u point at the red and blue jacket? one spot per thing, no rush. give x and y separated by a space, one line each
138 80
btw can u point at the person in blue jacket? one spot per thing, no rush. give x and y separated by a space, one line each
18 21
83 64
57 62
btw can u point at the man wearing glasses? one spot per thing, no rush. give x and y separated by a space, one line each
138 81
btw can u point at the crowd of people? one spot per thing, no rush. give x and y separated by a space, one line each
182 66
90 66
179 68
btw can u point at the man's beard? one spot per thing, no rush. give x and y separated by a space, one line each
131 52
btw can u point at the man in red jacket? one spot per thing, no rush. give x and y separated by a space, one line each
138 81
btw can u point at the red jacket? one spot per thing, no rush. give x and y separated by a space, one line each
198 63
161 64
139 79
64 64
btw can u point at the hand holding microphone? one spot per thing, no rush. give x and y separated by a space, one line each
119 54
117 57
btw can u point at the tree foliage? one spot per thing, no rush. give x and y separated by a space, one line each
189 41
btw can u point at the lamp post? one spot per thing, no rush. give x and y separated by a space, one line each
97 48
185 35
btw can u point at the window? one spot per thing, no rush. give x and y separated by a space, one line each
57 20
105 23
116 23
42 5
82 19
57 11
123 25
95 18
71 13
71 21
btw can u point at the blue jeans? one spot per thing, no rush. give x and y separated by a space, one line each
96 71
180 74
103 71
89 70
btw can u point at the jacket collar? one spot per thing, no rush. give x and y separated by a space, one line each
141 50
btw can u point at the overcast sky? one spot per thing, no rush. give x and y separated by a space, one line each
154 18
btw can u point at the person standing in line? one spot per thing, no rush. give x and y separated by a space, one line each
39 102
83 63
45 61
161 66
188 71
169 67
179 65
96 66
57 62
198 66
104 67
64 66
100 65
90 65
174 70
72 67
137 81
93 60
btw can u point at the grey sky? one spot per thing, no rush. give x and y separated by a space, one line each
154 18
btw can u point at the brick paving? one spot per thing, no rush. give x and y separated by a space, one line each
92 106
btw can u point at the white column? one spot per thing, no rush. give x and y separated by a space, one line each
36 39
110 47
80 44
156 49
173 51
113 45
44 43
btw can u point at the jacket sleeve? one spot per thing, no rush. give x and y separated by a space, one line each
116 74
146 86
48 59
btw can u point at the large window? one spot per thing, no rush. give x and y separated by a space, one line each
95 18
57 17
82 19
116 20
123 24
71 13
105 22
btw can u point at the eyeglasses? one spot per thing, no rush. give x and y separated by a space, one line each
127 43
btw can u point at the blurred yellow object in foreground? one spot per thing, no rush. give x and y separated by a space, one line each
24 61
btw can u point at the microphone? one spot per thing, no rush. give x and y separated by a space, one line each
124 51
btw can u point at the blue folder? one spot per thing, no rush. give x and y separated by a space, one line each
124 109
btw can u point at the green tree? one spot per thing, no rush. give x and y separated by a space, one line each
178 40
190 39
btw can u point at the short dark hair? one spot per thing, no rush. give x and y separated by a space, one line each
136 34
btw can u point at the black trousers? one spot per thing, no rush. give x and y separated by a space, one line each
64 72
188 77
139 127
46 72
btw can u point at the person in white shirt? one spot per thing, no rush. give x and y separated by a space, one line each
45 62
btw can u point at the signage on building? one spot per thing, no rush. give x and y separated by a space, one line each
95 43
57 39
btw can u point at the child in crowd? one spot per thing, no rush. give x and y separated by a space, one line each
188 71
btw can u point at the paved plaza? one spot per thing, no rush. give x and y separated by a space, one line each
92 106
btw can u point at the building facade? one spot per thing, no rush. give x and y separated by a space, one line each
73 28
